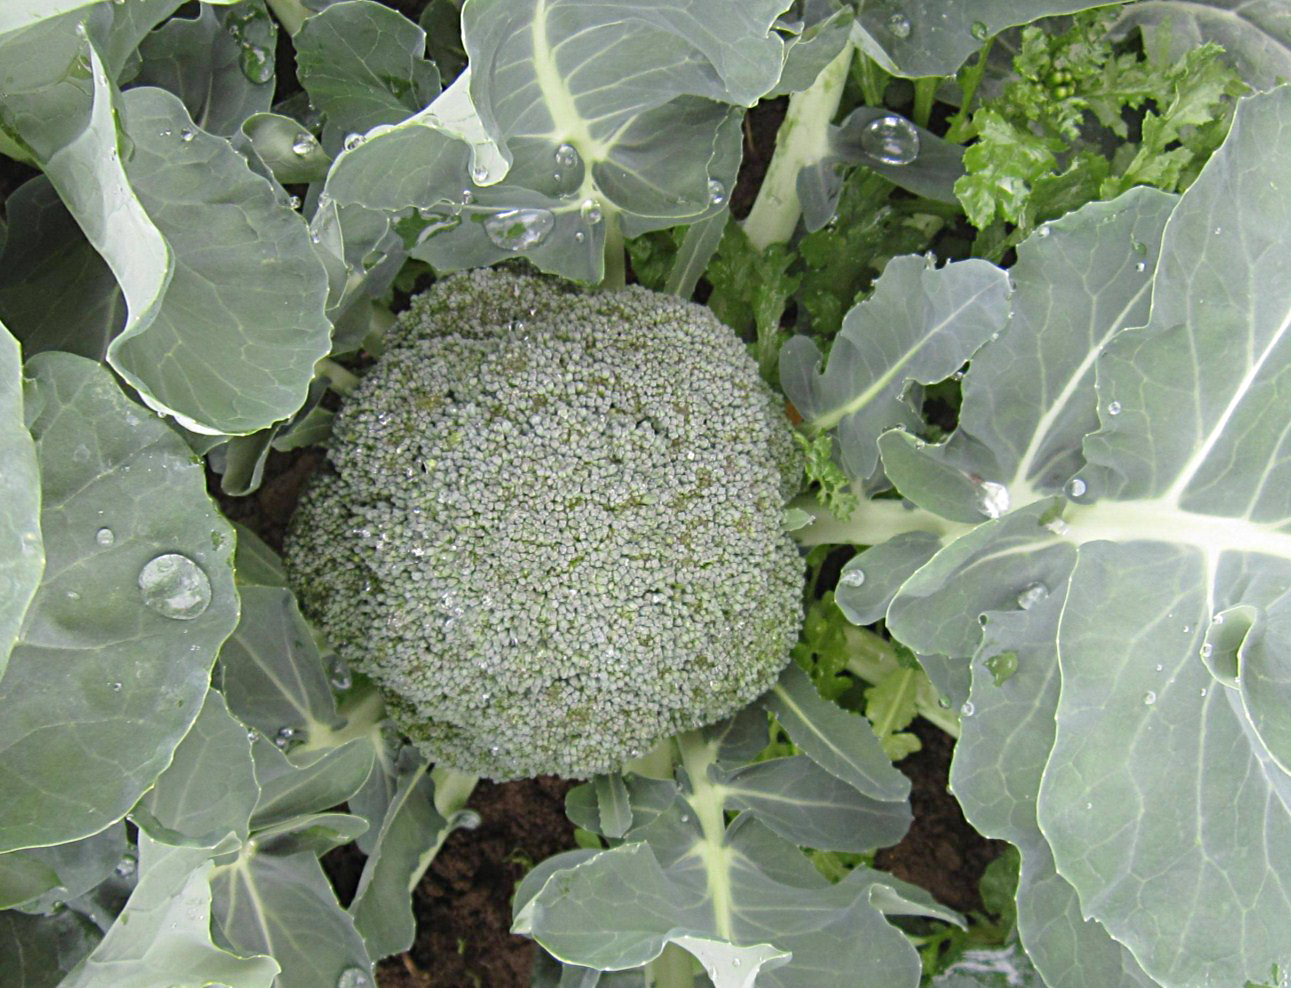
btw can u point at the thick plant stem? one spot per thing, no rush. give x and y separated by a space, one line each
872 523
803 139
291 14
342 381
925 91
616 271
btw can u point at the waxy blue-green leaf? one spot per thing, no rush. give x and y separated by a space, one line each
286 908
270 669
290 151
22 558
37 951
920 325
1255 34
363 64
200 61
411 833
314 782
56 293
840 742
685 877
114 658
26 13
163 937
71 869
806 805
929 37
210 788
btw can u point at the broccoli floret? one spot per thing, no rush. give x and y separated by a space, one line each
551 526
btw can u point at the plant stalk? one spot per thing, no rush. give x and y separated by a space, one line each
342 381
616 269
803 139
291 14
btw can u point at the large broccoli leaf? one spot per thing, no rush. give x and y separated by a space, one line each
114 657
739 895
21 557
1140 558
574 122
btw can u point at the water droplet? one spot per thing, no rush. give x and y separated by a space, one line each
735 962
1141 266
1031 595
1217 619
1218 230
256 64
81 454
992 499
186 135
127 866
1058 526
579 236
175 587
979 30
1187 629
284 737
293 202
339 674
968 709
468 197
1159 667
1207 650
1149 698
1044 230
852 578
1203 691
716 192
1139 247
519 229
304 144
1077 488
440 223
353 140
590 210
890 139
899 25
115 687
567 156
354 977
104 536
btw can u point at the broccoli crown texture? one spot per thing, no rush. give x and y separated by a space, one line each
551 528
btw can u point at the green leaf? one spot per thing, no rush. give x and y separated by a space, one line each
163 937
411 833
22 559
316 781
137 597
210 787
890 706
56 292
997 967
838 741
271 671
66 871
37 951
25 13
285 907
928 37
1256 36
200 61
363 64
574 128
287 149
920 325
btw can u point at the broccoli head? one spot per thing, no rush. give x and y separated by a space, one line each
551 525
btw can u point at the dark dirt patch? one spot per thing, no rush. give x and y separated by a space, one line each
463 904
941 853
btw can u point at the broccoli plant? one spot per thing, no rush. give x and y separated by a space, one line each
684 461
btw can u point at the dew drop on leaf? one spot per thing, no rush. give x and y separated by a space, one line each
967 710
1031 595
979 30
590 210
567 156
127 866
1002 667
1114 408
890 139
339 674
1149 698
852 578
716 192
256 64
174 586
186 135
284 737
1141 266
303 144
104 536
992 499
1077 488
352 141
519 229
899 25
354 977
1043 231
293 202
